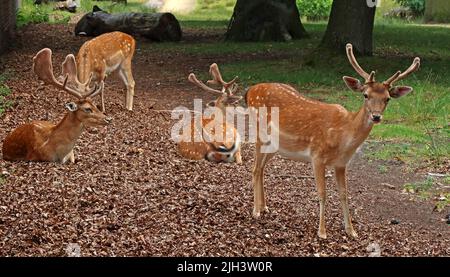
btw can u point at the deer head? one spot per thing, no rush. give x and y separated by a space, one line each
83 109
376 94
227 94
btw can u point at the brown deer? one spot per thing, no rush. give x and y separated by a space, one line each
229 149
43 140
323 134
99 57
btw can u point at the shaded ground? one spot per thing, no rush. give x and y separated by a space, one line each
130 194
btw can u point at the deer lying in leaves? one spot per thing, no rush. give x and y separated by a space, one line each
43 140
101 56
215 151
323 134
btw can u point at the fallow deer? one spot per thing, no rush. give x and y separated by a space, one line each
101 56
43 140
229 149
323 134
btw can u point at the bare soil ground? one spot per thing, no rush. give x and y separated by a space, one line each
130 194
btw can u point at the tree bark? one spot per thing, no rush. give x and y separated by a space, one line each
350 22
265 20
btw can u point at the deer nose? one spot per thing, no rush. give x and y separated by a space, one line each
376 117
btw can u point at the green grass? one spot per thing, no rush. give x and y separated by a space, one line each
4 91
30 13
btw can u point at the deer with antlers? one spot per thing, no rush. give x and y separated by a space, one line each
327 135
99 57
226 150
43 140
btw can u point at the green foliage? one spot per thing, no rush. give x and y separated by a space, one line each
417 6
4 91
31 13
315 10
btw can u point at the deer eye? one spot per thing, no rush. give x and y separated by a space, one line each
88 110
366 95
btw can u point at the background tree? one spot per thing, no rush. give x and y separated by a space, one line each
262 20
350 22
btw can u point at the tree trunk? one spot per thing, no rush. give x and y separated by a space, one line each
265 20
350 22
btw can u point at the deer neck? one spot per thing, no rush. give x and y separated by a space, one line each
68 130
361 125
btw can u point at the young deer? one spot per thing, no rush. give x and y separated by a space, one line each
323 134
101 56
215 151
43 140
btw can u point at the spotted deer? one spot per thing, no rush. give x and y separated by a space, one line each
43 140
99 57
327 135
229 149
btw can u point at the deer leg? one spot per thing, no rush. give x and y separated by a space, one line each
103 97
69 157
266 158
319 175
72 157
127 77
238 156
258 182
342 189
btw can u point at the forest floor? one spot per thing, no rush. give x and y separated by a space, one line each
130 194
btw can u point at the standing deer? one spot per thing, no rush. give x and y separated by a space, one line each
43 140
323 134
215 151
101 56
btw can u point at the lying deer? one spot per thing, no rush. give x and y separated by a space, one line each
215 151
101 56
323 134
43 140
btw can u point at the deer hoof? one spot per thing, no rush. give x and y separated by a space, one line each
322 235
256 214
351 233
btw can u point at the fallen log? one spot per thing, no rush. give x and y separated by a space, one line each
154 26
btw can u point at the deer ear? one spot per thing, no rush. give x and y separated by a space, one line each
353 83
399 91
71 106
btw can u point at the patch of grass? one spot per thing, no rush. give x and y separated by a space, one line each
31 13
427 189
420 187
383 169
210 10
4 91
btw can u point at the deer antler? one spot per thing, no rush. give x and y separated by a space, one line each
200 84
43 68
399 75
351 57
218 80
69 66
